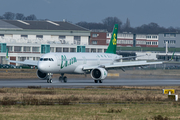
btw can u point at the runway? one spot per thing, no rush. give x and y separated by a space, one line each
75 83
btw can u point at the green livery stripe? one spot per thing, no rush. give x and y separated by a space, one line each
113 41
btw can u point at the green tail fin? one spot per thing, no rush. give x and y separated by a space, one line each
113 41
173 55
7 53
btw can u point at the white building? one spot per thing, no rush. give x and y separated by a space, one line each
31 39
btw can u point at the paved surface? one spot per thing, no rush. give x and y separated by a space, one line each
75 83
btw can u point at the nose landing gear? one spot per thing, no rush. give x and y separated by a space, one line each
49 79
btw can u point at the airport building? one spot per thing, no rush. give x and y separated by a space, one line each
173 40
31 39
124 39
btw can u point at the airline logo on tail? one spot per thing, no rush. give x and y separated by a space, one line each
114 41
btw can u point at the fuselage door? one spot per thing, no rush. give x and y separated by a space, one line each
58 60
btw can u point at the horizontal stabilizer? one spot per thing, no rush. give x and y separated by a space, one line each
26 62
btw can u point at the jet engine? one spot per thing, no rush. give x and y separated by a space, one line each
42 75
98 73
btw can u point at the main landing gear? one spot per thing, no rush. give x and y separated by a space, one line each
63 78
96 81
49 79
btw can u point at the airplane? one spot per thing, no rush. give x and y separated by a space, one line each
96 64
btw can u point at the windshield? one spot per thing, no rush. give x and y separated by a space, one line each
46 59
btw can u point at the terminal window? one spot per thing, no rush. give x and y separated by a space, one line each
35 49
77 40
95 35
169 35
170 41
62 37
58 49
72 49
27 49
10 48
25 36
17 49
94 42
39 36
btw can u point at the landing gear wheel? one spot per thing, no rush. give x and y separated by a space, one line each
96 81
100 81
65 79
60 78
50 81
47 80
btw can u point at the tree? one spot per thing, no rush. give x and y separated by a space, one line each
9 16
31 17
127 24
110 21
127 27
20 16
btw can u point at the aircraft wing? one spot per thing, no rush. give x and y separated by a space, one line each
121 65
26 62
130 57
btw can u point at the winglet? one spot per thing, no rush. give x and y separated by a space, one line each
113 41
7 54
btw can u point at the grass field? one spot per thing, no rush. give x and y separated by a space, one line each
90 103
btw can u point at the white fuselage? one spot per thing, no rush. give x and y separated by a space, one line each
73 62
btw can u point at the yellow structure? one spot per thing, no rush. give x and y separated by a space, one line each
113 74
169 91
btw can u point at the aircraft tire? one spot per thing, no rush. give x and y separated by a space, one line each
96 81
50 81
47 80
100 81
60 78
65 79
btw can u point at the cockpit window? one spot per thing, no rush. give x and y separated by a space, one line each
46 59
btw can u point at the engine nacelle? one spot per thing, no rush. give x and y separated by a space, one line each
98 73
42 75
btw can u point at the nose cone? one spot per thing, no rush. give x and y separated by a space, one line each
41 67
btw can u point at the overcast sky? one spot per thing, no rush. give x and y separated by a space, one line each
163 12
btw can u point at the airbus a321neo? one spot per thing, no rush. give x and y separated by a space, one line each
95 64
